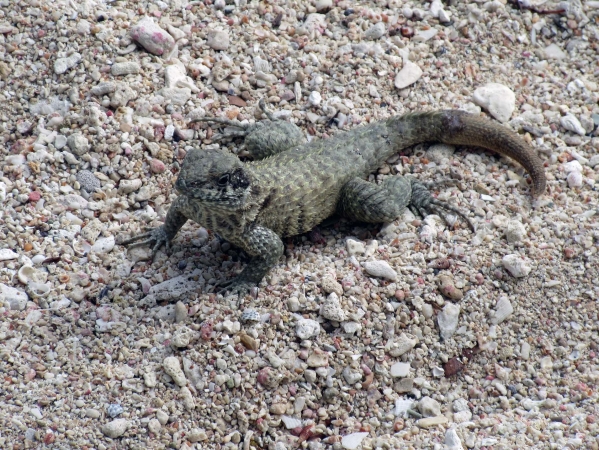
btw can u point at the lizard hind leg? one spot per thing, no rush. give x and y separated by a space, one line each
375 203
368 202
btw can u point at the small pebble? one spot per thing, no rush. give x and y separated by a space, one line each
116 428
78 144
307 329
88 181
376 31
172 367
353 440
380 269
331 308
553 51
218 40
571 123
400 370
429 407
125 68
152 37
496 98
409 74
157 166
354 247
502 311
516 266
61 65
447 319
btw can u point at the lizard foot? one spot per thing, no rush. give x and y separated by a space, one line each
423 202
157 235
235 286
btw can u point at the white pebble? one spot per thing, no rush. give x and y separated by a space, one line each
176 96
553 51
129 186
172 367
103 245
496 98
380 269
352 441
503 310
315 98
125 68
331 308
429 407
572 166
115 428
323 5
525 350
182 337
307 328
351 327
7 254
154 426
355 247
151 37
452 440
61 65
78 143
403 344
14 298
516 266
574 179
104 88
33 317
447 320
173 74
60 141
571 123
400 370
515 231
425 35
15 160
291 422
402 406
376 31
409 74
218 40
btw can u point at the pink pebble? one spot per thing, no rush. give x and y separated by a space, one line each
34 196
157 166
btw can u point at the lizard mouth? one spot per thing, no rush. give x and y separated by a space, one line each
223 197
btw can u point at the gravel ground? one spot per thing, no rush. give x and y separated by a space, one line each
411 335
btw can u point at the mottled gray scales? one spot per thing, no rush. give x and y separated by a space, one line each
293 186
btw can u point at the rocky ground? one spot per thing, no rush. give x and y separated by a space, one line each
411 335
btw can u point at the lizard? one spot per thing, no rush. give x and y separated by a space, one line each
292 186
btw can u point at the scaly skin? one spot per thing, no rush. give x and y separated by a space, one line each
254 204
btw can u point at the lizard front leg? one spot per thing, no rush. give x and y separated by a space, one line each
368 202
164 234
265 248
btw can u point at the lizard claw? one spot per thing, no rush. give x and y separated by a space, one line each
235 286
156 235
423 202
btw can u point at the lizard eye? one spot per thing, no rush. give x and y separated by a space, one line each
223 180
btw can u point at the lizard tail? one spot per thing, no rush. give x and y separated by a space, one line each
461 128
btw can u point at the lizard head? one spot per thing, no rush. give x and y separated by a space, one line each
213 176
